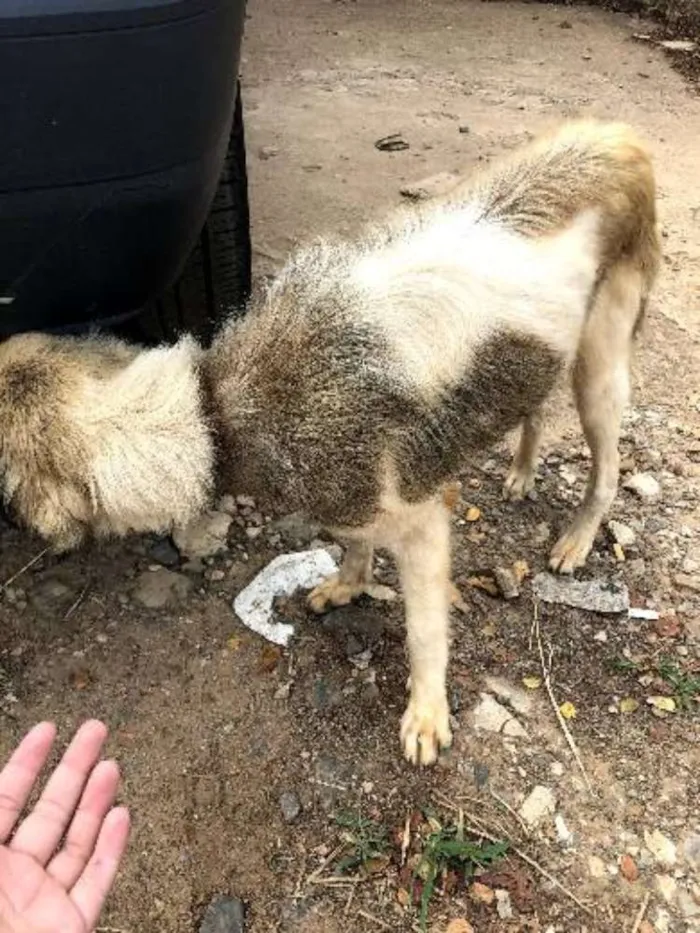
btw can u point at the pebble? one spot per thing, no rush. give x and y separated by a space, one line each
564 834
290 805
164 552
596 867
538 805
621 533
160 588
490 716
227 504
504 908
661 847
204 537
644 485
217 575
521 700
224 915
507 582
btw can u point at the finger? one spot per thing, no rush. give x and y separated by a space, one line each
42 830
20 773
98 796
91 889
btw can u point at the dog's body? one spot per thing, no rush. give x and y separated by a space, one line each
370 372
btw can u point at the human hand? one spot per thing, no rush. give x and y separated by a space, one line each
44 888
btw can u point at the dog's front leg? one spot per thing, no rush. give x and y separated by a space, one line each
354 579
421 545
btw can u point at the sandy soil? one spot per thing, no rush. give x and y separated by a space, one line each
212 727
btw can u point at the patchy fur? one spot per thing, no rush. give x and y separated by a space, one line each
361 383
97 436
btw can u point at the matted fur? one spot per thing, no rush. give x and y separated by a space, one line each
100 437
371 371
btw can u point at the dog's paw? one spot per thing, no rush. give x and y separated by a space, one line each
425 729
519 483
570 551
333 592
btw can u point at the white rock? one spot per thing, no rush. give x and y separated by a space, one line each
666 886
205 536
564 834
644 485
227 504
593 595
283 576
557 768
521 701
596 867
622 533
503 905
678 45
538 805
489 716
661 847
662 921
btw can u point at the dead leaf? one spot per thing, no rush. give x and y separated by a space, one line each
485 583
568 710
270 657
629 705
628 868
375 866
665 704
473 514
482 893
80 679
459 925
668 626
532 682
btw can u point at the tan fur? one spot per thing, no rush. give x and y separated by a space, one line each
99 437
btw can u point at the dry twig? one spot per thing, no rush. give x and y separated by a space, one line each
640 915
23 569
555 706
373 919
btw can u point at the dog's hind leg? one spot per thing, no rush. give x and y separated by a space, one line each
601 387
354 579
521 476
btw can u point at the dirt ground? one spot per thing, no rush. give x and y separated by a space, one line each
212 727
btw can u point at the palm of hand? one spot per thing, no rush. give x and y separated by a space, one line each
31 899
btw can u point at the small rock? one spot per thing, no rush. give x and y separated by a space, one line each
666 886
205 536
227 504
290 805
217 575
482 893
507 582
245 502
164 552
593 595
688 581
661 847
490 716
520 700
504 908
596 867
622 534
430 187
539 804
678 45
224 915
662 922
644 485
564 834
160 588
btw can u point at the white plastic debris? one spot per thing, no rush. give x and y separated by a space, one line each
282 577
637 612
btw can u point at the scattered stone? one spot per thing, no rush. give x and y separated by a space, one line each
205 536
688 581
678 45
661 847
290 805
482 893
227 504
644 485
392 143
224 915
593 595
538 805
217 575
666 886
662 921
520 700
164 552
628 868
507 582
564 834
596 867
504 908
490 716
430 187
156 589
622 534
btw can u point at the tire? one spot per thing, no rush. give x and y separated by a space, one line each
216 278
